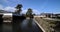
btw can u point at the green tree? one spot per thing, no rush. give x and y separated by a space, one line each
29 12
18 8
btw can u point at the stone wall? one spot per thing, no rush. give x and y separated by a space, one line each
48 25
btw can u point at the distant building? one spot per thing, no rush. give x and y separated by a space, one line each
7 17
57 16
50 15
46 14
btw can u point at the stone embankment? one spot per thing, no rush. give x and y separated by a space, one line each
47 25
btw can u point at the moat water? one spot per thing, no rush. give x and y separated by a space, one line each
27 25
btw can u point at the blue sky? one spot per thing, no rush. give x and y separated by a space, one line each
39 6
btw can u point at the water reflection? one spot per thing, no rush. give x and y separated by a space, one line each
29 25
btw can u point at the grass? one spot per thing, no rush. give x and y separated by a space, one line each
46 24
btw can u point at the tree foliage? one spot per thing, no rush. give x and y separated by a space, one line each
18 8
29 12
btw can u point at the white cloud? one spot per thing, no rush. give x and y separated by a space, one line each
10 9
34 11
24 11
